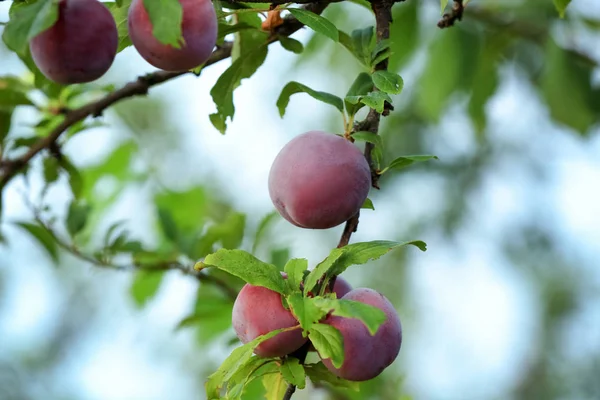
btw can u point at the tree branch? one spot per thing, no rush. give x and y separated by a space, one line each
166 266
448 19
383 19
9 168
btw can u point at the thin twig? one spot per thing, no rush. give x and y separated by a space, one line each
166 266
448 19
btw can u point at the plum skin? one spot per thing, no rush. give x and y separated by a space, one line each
366 356
319 180
199 30
341 287
257 311
80 47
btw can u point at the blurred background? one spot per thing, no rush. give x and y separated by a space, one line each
505 303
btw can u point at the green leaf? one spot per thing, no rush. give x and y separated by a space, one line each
166 17
290 44
246 267
227 29
75 179
375 100
229 232
275 386
50 169
263 226
305 310
145 286
321 269
362 85
443 4
329 343
27 21
561 6
13 92
441 75
405 34
388 82
368 204
236 360
296 87
363 43
293 372
77 217
381 48
369 137
247 40
361 253
255 367
318 373
405 161
5 121
316 23
371 316
566 71
119 10
222 92
167 224
43 236
294 269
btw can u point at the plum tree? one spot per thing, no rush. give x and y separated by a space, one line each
199 31
319 180
81 45
366 356
258 310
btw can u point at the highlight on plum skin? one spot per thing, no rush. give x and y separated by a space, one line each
366 356
80 47
257 311
319 180
199 31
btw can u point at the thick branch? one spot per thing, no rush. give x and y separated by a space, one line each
9 168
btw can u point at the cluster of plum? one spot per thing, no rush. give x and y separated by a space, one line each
82 44
258 310
319 181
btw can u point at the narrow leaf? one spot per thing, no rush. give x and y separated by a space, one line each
362 85
145 286
363 252
405 161
77 217
166 17
43 236
293 372
561 6
290 44
368 204
321 269
371 316
316 22
236 360
246 267
294 269
318 373
329 343
296 87
28 21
